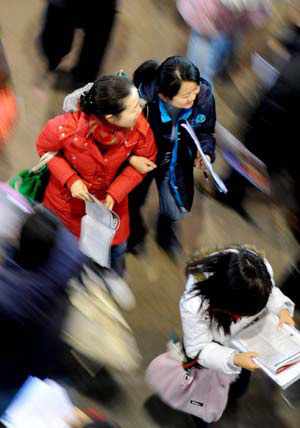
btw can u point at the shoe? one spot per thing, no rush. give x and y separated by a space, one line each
137 249
119 289
113 283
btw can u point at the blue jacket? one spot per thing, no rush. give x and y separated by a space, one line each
32 305
202 117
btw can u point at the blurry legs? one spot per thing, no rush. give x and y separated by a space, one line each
137 199
212 55
169 214
57 35
96 36
118 253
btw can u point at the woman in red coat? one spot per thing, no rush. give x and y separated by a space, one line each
93 143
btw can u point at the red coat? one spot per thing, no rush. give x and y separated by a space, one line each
81 158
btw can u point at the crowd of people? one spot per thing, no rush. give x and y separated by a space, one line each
115 136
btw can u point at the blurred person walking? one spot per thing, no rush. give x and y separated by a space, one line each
8 108
34 275
174 92
61 19
95 141
217 27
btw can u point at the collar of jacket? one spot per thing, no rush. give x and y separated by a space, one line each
164 115
87 124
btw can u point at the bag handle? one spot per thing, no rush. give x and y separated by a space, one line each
43 161
191 363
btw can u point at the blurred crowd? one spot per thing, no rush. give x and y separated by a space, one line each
60 307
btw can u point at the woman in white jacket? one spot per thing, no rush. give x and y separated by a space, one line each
225 290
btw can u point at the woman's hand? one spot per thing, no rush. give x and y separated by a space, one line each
80 191
244 360
141 164
109 202
285 318
82 419
199 162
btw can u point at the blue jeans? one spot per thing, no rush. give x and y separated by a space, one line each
117 256
169 212
213 54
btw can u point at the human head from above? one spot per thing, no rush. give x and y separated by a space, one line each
234 283
177 80
37 238
114 99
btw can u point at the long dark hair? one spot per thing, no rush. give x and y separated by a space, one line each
234 283
168 76
37 239
106 96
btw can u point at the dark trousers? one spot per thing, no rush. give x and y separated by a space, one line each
95 18
169 212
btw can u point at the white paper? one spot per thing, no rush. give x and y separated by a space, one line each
98 228
275 347
216 179
39 404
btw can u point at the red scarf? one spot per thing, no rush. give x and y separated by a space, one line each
106 134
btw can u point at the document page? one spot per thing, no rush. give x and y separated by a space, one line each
276 347
98 228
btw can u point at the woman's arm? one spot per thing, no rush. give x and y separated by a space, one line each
198 337
278 301
52 139
130 177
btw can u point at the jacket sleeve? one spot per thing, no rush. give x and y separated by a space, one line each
205 133
277 300
49 140
130 177
198 338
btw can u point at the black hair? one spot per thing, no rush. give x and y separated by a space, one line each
168 76
37 239
234 283
106 96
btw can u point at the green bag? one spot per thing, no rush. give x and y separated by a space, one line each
32 182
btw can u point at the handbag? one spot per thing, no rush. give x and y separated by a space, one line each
200 391
32 182
95 327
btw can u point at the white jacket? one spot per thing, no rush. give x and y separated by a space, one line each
200 336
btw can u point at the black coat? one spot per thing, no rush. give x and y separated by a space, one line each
274 125
32 305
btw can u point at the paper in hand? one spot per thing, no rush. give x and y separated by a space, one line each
98 228
216 179
39 404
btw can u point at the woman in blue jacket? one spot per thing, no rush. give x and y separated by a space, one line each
174 93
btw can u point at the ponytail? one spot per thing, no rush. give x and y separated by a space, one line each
106 96
146 73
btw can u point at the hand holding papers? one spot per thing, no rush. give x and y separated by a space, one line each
98 228
40 404
216 179
278 349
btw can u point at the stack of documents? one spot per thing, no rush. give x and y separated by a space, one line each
40 404
278 349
